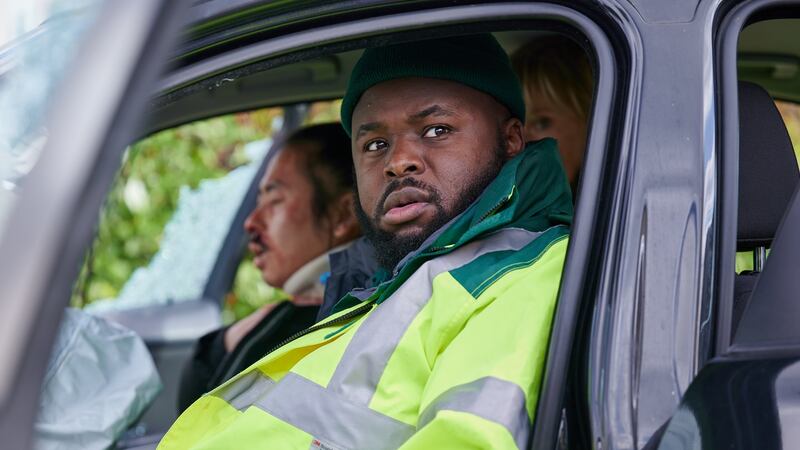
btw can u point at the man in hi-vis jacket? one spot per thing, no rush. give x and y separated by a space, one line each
471 225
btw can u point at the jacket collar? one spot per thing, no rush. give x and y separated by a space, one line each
531 191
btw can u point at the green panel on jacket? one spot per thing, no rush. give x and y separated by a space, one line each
481 273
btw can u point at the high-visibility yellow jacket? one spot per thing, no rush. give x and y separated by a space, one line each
744 260
449 353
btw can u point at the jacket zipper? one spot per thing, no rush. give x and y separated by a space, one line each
499 204
486 215
337 321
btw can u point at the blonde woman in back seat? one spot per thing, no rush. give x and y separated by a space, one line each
557 82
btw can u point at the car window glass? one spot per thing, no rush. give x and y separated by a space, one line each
37 43
769 147
169 211
766 58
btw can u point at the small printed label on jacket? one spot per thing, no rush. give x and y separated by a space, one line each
316 444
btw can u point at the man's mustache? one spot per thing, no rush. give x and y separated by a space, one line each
435 198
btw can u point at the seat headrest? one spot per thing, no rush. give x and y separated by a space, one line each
768 170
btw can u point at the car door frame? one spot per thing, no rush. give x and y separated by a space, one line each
734 401
94 115
732 22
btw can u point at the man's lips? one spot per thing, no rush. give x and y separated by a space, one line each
258 250
405 205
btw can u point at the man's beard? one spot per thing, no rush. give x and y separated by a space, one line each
391 248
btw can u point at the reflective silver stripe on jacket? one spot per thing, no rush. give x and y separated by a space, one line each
330 417
365 358
499 401
243 392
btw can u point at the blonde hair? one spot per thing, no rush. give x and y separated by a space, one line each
559 68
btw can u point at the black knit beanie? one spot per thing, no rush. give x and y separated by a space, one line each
477 61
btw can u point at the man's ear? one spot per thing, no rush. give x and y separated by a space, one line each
513 135
344 225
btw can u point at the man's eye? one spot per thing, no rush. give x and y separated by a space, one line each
269 200
436 131
376 145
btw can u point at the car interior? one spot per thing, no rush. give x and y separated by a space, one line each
307 80
769 66
769 180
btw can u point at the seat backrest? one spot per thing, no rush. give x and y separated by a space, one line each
768 172
770 317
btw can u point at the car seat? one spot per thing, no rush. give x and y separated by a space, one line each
768 175
769 319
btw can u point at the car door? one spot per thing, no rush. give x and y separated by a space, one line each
746 396
92 103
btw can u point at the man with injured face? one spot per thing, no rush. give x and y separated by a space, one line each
471 227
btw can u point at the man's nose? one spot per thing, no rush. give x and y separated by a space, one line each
251 223
405 158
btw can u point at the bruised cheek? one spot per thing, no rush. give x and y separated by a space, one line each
291 220
299 213
303 231
290 240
